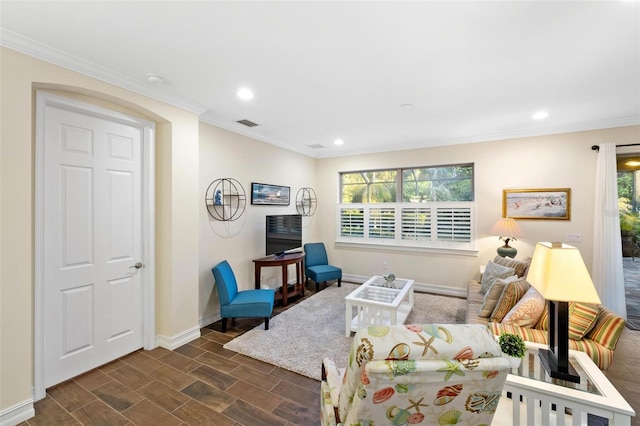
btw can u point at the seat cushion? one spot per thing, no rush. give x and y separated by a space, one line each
321 273
249 304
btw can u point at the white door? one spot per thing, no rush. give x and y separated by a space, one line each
92 241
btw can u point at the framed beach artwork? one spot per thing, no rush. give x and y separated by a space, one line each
545 203
265 194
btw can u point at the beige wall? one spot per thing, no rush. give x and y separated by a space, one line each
176 208
188 243
558 161
224 154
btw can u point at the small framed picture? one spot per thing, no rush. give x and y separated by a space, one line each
539 204
265 194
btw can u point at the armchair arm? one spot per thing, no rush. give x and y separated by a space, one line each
332 376
327 409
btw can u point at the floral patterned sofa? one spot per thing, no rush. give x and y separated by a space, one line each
415 374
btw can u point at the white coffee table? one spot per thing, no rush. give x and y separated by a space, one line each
377 304
537 399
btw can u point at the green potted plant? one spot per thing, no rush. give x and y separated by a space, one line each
512 346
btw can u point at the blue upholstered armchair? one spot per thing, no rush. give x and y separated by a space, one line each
316 265
240 304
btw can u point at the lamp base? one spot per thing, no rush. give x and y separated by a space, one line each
507 251
550 365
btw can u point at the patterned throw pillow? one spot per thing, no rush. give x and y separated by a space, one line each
582 318
493 295
520 266
527 311
543 322
510 296
492 272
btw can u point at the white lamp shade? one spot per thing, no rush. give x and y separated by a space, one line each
558 272
506 227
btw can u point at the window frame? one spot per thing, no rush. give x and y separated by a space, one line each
363 231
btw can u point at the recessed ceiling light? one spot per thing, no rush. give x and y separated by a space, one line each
540 115
245 94
154 79
338 142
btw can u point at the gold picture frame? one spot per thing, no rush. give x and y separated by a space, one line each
537 204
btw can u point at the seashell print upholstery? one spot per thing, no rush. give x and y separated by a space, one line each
421 374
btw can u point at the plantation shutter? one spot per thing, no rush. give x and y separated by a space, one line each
453 224
382 223
416 223
352 222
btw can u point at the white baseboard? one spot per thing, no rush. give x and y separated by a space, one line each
179 339
209 319
424 287
18 413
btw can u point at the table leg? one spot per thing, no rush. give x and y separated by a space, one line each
257 276
284 285
299 277
347 316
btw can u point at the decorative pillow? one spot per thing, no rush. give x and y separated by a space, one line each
520 266
543 322
582 318
512 292
527 311
492 272
493 295
608 329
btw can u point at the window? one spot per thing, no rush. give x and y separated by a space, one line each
413 207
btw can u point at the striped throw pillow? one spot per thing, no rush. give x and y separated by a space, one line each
543 322
608 329
512 292
520 266
582 317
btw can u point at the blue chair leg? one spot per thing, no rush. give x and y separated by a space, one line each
266 323
224 325
339 282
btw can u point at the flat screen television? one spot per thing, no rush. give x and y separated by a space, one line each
283 233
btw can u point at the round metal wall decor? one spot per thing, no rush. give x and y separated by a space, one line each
225 199
306 201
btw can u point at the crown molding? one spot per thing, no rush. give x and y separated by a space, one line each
489 137
47 53
50 54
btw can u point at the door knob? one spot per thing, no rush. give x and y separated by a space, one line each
137 266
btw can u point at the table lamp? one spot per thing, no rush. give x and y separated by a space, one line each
559 274
507 229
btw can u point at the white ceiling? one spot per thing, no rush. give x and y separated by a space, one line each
472 71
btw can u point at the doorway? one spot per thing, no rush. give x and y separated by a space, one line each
94 296
628 166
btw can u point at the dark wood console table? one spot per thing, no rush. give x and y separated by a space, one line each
283 261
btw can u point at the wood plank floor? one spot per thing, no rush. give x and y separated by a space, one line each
202 383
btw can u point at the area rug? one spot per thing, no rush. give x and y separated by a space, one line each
300 337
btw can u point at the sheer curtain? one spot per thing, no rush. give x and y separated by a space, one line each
607 272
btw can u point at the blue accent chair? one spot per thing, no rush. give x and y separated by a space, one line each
240 304
316 265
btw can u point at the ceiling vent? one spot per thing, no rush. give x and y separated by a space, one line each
316 146
247 123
